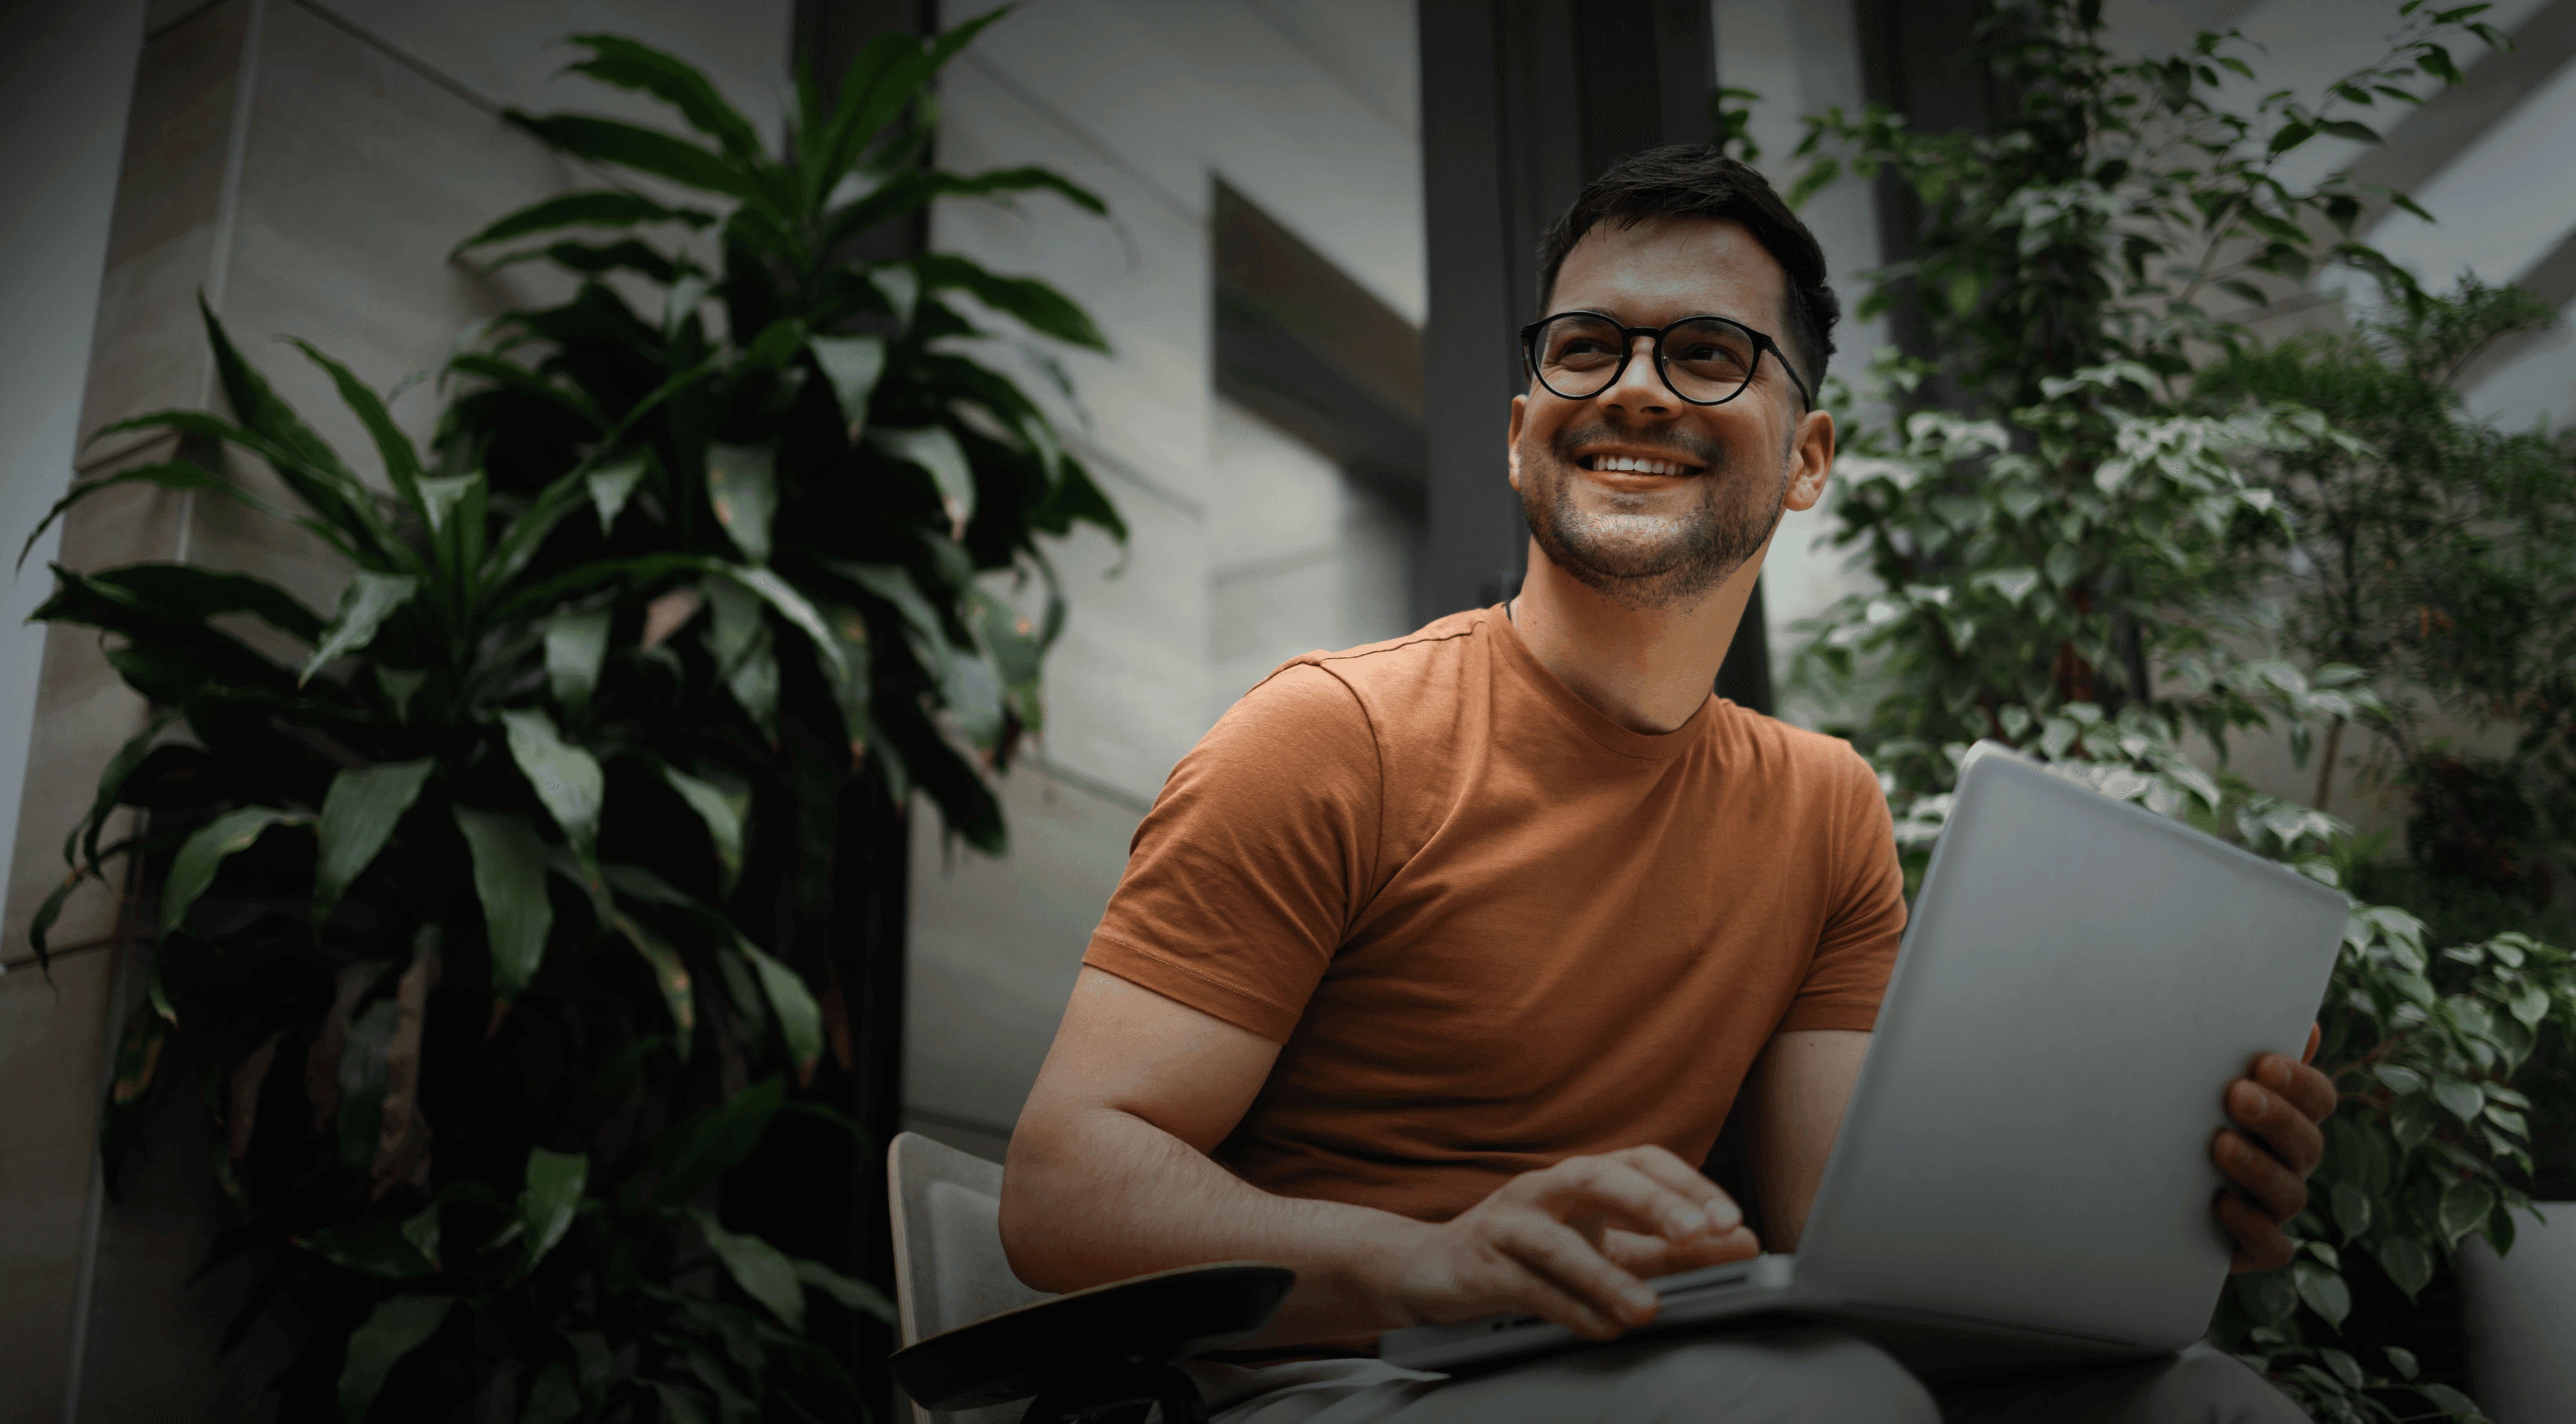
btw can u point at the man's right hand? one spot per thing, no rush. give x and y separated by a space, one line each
1571 1243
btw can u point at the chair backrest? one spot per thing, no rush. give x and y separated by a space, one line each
949 1269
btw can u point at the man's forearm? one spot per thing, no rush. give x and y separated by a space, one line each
1101 1195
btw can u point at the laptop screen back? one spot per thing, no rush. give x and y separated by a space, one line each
2028 1141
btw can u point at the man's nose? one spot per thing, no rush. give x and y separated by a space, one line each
1640 389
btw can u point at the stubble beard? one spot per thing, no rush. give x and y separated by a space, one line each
1664 562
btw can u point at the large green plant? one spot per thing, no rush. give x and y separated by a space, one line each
2436 555
473 916
2055 528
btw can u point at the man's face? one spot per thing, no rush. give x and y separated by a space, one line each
1714 479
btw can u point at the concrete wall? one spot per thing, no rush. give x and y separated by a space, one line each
306 166
1248 547
66 77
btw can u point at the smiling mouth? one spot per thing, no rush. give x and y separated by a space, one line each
1631 464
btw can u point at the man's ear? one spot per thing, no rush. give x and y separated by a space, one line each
1811 460
1512 439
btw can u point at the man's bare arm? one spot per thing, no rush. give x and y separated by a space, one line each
1109 1177
1794 1101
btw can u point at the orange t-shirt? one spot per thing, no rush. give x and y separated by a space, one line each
1490 927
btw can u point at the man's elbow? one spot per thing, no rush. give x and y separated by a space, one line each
1033 1216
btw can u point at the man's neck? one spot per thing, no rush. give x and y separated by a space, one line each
1647 669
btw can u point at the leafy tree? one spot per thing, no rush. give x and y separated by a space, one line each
2434 556
476 918
2057 527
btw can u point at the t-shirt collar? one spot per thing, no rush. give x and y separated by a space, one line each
1515 661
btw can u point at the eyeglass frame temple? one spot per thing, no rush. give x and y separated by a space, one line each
1762 342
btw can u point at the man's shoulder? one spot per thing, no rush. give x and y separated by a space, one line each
1397 673
1817 768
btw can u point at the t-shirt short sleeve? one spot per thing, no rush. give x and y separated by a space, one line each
1244 878
1864 915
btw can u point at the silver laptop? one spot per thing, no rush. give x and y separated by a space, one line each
2023 1170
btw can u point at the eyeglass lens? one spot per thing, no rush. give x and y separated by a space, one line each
1706 360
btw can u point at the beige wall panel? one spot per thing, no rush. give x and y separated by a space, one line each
359 175
1142 273
990 972
1125 684
51 1056
150 349
518 62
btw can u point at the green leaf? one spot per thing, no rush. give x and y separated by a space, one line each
192 871
2411 1119
642 149
744 494
2464 1205
2463 1100
610 486
700 1151
184 476
595 209
510 880
548 1202
111 790
629 65
762 1270
2402 1361
800 1019
303 459
395 1329
670 974
2290 136
186 590
2323 1290
1035 304
856 1295
576 645
402 462
678 1405
567 779
358 817
2450 1400
2407 1263
852 364
738 637
722 813
791 605
527 533
935 450
399 687
369 599
2351 1209
552 1397
375 1247
2348 129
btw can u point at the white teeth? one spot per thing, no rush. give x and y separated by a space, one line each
1632 464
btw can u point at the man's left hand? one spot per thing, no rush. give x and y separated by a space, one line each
2269 1152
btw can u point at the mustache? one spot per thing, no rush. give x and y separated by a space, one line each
1692 450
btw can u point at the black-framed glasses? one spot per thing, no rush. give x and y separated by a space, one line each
1705 360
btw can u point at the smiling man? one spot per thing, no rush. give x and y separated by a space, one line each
1439 962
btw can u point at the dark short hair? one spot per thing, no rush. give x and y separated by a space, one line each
1698 181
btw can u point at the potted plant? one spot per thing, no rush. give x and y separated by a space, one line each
475 919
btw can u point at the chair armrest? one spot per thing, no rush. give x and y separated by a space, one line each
1033 1349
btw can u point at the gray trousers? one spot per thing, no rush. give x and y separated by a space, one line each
1781 1376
